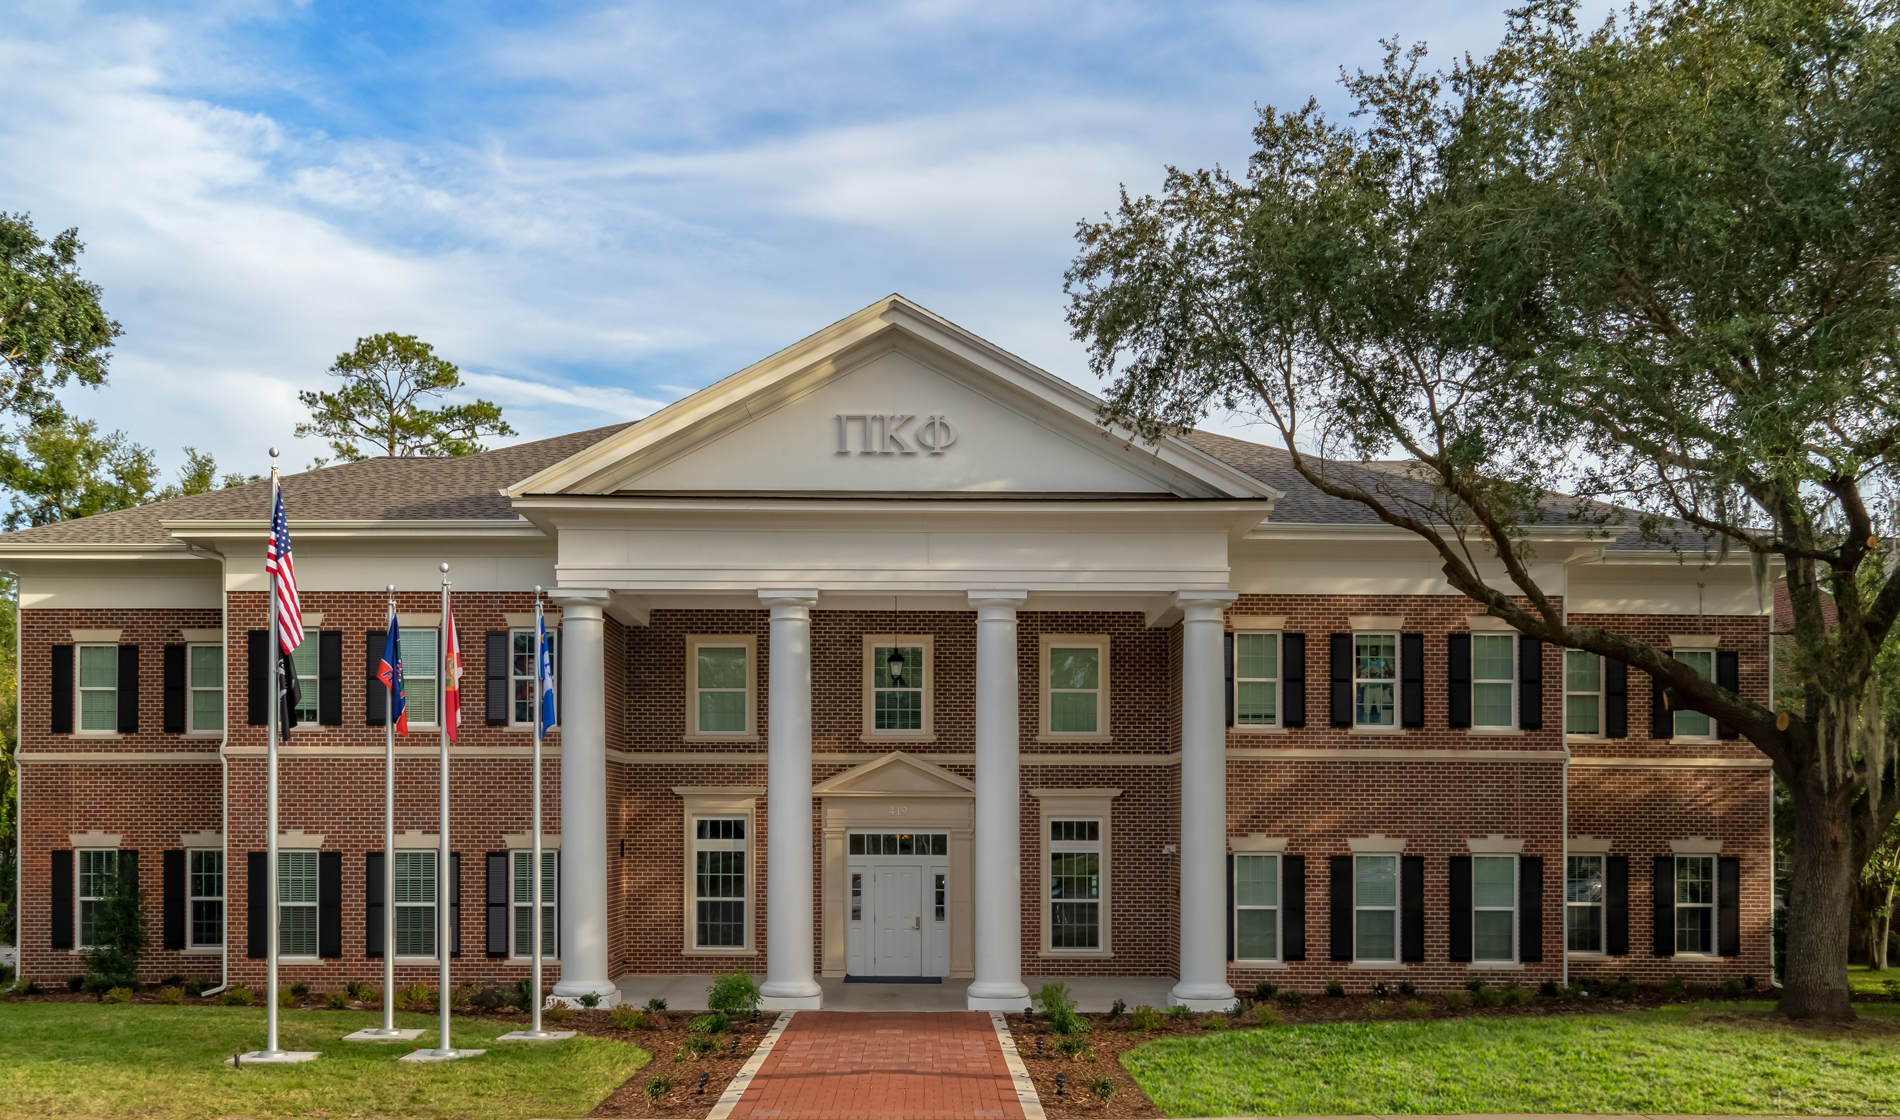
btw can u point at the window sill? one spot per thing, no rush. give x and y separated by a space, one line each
1494 966
202 735
1501 732
1255 729
1696 741
203 951
1075 954
1376 730
1583 955
98 735
1270 965
696 737
897 737
1378 966
1050 737
529 961
698 952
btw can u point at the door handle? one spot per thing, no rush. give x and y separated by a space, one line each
917 924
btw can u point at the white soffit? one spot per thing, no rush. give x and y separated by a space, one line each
775 427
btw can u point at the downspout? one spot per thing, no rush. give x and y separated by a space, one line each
224 764
19 786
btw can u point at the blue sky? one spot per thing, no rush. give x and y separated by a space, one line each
595 209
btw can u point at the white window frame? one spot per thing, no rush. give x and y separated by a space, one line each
694 642
1278 908
409 680
307 683
1572 905
1714 865
521 897
1476 909
192 689
516 679
284 904
1360 911
429 857
1103 732
1279 672
193 897
1510 718
1394 681
80 897
1071 846
1569 692
80 688
1675 717
1076 805
712 845
927 733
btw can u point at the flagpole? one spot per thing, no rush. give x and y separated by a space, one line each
389 836
534 826
444 1048
271 1049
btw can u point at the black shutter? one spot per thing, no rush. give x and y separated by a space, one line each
1662 722
1616 906
128 868
1728 906
257 906
1728 674
330 904
1292 908
175 691
1293 680
1341 913
1230 887
1530 909
1342 680
373 904
497 905
1460 909
1411 908
455 904
128 690
1616 699
1411 680
1662 907
330 678
62 880
1227 657
174 866
1530 683
1458 686
376 703
63 704
497 660
257 678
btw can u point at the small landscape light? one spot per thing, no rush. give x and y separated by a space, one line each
1062 1084
1041 1041
702 1083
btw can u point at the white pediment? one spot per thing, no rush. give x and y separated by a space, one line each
890 400
896 773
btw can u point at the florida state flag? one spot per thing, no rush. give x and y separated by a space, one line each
451 672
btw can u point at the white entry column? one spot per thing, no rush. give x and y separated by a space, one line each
789 980
998 985
1203 985
583 924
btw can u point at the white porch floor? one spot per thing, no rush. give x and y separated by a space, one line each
1091 993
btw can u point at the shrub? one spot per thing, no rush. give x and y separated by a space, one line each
559 1013
1117 1009
25 986
711 1023
1059 1007
175 994
175 980
119 995
657 1087
1547 988
1457 1001
358 990
494 998
1144 1018
196 986
1102 1088
1515 994
1734 987
1381 989
1178 1012
1487 997
1620 988
1673 988
694 1047
627 1017
336 1001
590 1001
1376 1009
1242 1008
1699 991
286 998
1748 983
733 993
1265 990
1077 1047
100 985
1407 988
300 989
238 996
1416 1009
1474 985
1264 1015
6 975
118 934
1214 1021
1335 989
413 995
1292 997
75 983
1571 993
656 1004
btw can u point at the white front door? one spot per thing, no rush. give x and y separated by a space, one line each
898 905
898 901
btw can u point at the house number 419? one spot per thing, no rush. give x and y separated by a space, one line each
899 810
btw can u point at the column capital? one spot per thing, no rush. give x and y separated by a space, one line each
596 597
990 597
1204 606
788 596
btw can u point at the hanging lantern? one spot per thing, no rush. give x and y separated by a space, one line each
896 667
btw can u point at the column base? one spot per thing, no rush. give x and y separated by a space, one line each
792 1003
1010 1005
1202 997
571 991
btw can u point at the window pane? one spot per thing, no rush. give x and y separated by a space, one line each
99 710
1376 656
524 944
1256 881
913 668
524 883
207 709
98 666
1694 929
720 874
1074 925
1490 705
1374 707
1254 703
522 654
1491 880
721 924
418 656
721 666
524 701
1075 831
1072 712
207 667
296 877
1692 725
1584 881
1258 935
1075 875
207 922
415 931
1583 672
1702 661
415 877
1695 880
304 657
720 828
95 871
1256 655
418 694
722 711
1695 724
207 873
1580 715
1491 935
297 935
1376 940
899 710
1583 929
1491 657
1375 881
1075 668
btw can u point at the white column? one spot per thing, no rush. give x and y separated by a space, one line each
999 868
583 924
789 983
1203 985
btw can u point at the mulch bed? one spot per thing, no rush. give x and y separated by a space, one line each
685 1099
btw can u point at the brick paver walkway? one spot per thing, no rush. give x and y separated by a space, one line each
898 1065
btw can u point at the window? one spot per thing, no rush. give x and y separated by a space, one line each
418 675
719 894
204 895
1075 884
524 902
900 843
1493 908
415 903
857 896
719 676
205 669
1075 686
1256 679
1493 680
1375 900
97 867
898 687
1695 725
297 903
521 674
1583 904
942 895
304 658
1695 904
98 688
1256 907
1583 693
1375 672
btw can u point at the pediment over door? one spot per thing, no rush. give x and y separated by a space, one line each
896 774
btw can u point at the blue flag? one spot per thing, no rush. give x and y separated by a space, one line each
544 669
390 673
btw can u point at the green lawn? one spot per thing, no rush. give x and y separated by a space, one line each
1861 980
1700 1059
153 1061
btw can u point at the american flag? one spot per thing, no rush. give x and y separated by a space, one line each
277 563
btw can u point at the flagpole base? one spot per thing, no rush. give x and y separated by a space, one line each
537 1036
378 1034
272 1058
440 1055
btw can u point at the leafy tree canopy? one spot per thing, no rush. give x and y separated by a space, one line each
52 328
379 407
58 468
